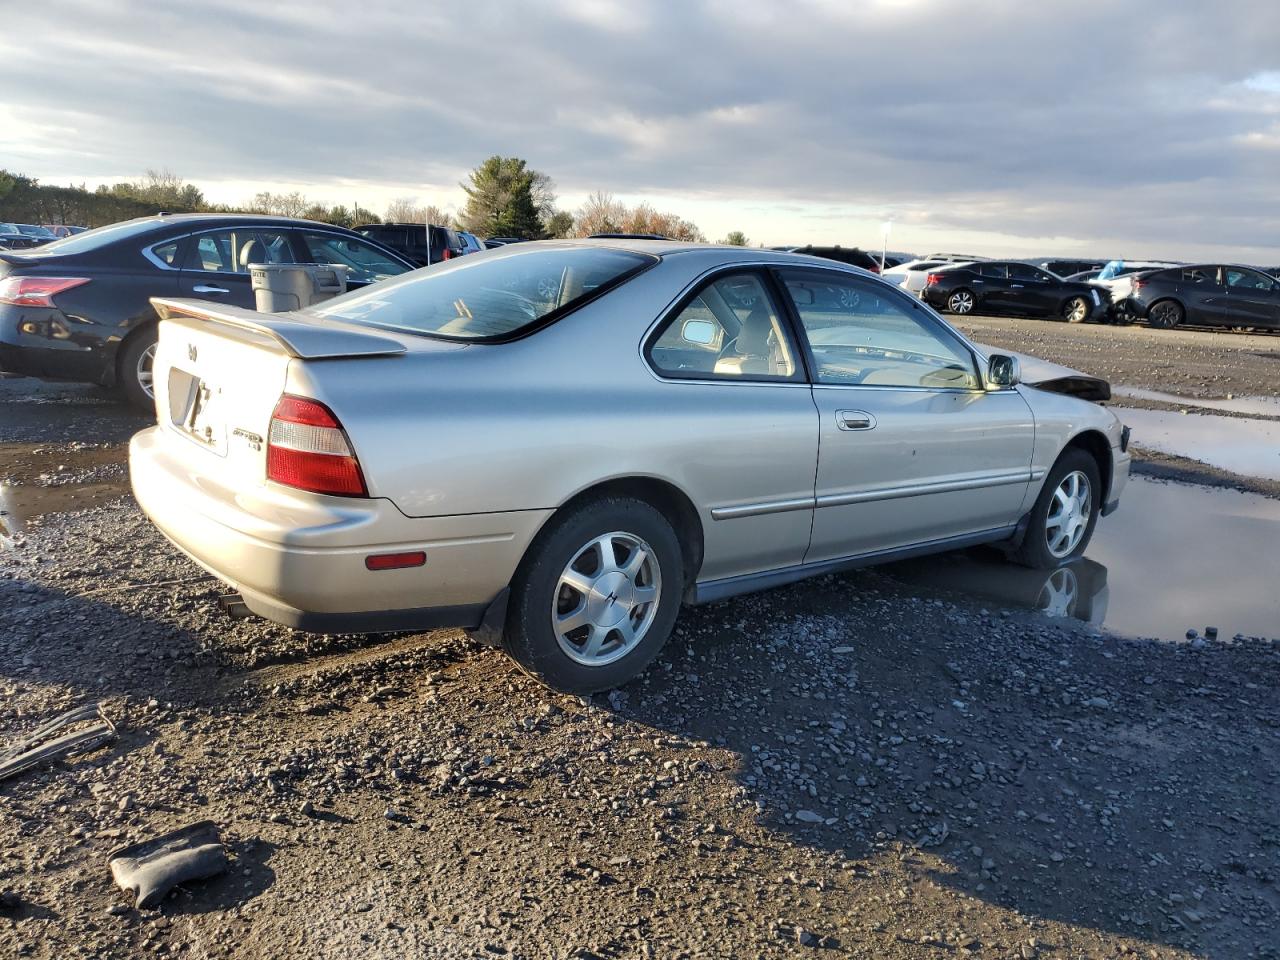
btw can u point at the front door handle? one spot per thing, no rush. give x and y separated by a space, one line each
1016 286
855 420
205 288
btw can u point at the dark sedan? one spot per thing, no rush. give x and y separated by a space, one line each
1006 286
80 308
1207 293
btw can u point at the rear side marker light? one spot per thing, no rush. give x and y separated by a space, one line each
36 291
308 449
395 561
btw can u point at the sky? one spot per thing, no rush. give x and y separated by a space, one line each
999 127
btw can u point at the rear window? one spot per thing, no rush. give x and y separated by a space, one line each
488 299
101 236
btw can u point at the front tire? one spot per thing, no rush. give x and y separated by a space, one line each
1165 315
961 302
1065 514
1076 310
134 373
597 596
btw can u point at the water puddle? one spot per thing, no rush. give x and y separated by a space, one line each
38 479
1173 558
1236 444
1250 406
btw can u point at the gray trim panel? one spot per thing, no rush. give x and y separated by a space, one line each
710 591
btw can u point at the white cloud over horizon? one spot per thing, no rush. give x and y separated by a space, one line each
1148 128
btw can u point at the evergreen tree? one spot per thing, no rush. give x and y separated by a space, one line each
501 201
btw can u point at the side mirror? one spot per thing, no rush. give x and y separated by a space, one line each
1003 372
701 332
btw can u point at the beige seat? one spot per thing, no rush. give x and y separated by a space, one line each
755 350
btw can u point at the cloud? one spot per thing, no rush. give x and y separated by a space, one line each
1146 123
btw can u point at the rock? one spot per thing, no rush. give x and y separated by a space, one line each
1101 703
806 938
808 816
307 808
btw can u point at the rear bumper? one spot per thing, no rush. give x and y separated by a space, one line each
299 559
42 342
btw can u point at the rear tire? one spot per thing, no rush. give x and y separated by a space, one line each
1165 314
961 302
1076 310
134 366
1062 520
578 619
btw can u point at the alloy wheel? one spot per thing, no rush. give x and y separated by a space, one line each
1069 514
146 364
1165 315
606 599
1077 311
960 302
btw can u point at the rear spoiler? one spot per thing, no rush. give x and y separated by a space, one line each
301 336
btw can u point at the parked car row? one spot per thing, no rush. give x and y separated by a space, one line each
422 244
23 236
1011 286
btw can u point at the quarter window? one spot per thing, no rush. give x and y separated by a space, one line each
997 271
731 330
862 335
166 252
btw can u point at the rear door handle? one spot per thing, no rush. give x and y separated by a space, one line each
855 420
1016 286
205 288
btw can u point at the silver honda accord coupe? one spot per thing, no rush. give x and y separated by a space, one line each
557 444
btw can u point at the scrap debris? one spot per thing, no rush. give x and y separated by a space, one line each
153 867
44 745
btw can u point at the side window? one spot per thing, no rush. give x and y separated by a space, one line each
1247 280
862 335
1203 275
730 330
231 251
997 271
365 262
1021 271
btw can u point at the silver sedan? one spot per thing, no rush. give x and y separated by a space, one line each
557 444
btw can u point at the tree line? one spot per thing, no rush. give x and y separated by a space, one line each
505 198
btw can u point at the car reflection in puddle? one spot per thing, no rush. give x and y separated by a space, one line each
1078 590
1174 557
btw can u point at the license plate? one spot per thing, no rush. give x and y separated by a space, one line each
193 406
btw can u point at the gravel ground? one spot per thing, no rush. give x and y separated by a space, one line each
849 766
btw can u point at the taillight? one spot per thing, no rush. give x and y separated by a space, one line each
448 254
36 291
308 449
932 278
1137 285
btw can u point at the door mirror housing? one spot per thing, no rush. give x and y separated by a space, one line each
1003 372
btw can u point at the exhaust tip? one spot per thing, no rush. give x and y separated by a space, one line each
233 605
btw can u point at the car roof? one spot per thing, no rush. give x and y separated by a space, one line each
162 219
713 253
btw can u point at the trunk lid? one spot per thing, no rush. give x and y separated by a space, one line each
219 372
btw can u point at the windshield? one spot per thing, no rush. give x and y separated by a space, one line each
487 298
